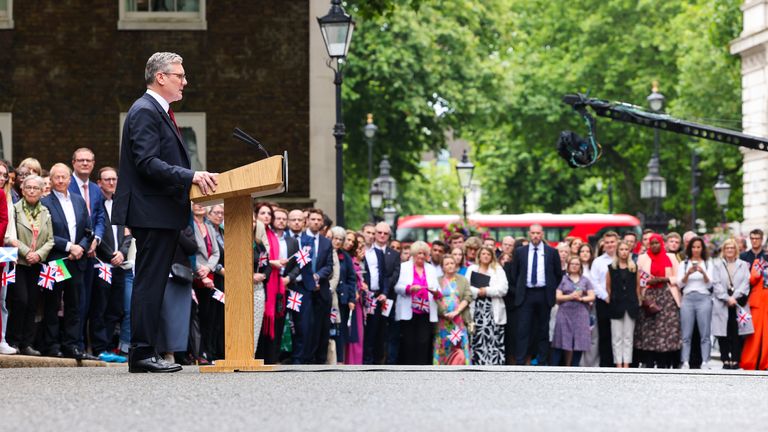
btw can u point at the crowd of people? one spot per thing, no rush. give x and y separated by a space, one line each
324 294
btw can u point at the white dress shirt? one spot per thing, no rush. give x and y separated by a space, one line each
599 271
373 268
69 212
163 103
108 206
540 273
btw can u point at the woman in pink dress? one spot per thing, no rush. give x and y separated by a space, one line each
353 354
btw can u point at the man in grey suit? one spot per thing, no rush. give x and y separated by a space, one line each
536 273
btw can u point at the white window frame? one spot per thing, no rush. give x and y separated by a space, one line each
6 16
161 20
194 120
6 129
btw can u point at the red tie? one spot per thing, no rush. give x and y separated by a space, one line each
85 196
173 119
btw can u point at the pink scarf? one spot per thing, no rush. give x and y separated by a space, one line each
274 287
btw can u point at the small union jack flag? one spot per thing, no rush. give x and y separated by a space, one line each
334 315
303 256
47 277
294 301
455 336
421 304
218 295
8 276
743 317
263 259
370 303
644 277
105 271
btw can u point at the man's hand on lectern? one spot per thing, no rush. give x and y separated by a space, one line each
206 181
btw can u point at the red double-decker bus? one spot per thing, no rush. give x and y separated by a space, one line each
588 227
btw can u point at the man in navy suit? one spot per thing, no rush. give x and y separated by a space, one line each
83 160
537 274
312 322
152 199
375 337
72 237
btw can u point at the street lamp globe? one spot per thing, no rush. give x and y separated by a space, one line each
656 99
370 129
653 184
464 170
376 196
722 191
336 27
386 182
390 216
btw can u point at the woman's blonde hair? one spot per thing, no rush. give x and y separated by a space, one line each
630 263
32 164
419 246
492 252
729 242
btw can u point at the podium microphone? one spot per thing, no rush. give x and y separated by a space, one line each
244 137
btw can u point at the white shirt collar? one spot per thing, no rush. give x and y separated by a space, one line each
80 183
163 103
61 196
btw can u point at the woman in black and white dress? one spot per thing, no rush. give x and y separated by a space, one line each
488 310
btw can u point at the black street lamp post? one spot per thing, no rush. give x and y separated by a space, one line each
369 130
336 28
653 185
464 170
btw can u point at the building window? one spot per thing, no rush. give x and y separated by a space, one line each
6 14
6 148
193 130
162 15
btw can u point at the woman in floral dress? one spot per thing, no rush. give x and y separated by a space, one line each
453 309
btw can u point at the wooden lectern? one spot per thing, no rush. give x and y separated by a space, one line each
236 189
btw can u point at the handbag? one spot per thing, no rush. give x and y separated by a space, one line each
650 307
181 273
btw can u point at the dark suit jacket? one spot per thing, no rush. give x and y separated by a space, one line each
347 279
553 273
106 248
391 271
155 174
323 267
292 270
383 282
98 211
61 228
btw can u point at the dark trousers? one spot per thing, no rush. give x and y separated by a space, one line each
604 346
533 325
303 322
269 349
154 253
106 309
375 338
67 338
321 331
394 337
418 336
22 301
510 330
211 316
85 295
730 345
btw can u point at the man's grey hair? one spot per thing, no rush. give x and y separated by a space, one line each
159 62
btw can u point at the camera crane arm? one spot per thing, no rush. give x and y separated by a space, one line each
578 151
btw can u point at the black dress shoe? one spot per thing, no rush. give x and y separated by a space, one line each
87 356
73 352
154 365
29 351
53 354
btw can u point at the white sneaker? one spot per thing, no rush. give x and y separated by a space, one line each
7 349
705 366
685 366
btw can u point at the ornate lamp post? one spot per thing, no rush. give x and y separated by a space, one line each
464 170
369 130
337 27
376 198
654 186
722 193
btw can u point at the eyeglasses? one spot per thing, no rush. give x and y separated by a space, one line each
110 179
32 188
181 76
84 161
217 212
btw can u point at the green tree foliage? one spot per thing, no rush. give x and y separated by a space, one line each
495 72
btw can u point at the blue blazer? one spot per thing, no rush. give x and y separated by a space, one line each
347 279
323 267
61 228
155 174
98 212
553 273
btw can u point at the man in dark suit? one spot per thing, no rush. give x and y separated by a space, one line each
72 236
391 273
107 301
83 160
312 323
375 337
152 199
537 273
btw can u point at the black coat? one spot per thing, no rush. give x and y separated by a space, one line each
106 248
83 230
155 174
553 273
623 293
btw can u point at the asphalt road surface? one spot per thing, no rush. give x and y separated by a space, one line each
384 399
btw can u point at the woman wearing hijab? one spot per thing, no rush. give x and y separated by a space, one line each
658 331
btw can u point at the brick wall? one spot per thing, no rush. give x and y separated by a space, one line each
66 73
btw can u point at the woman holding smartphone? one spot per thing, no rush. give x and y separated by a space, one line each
695 280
